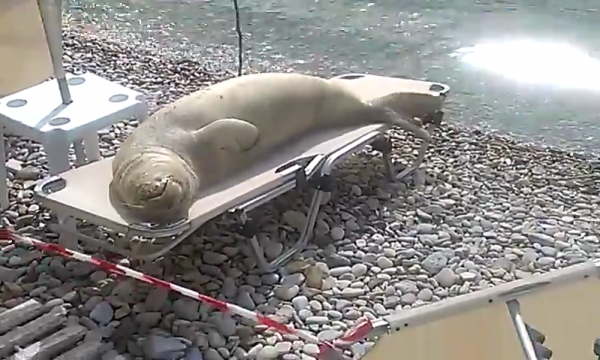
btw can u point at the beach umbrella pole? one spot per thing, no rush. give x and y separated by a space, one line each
51 14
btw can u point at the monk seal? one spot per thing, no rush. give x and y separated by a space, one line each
202 138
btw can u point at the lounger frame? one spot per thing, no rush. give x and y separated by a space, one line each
313 172
316 174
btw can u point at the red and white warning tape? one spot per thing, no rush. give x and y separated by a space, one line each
327 350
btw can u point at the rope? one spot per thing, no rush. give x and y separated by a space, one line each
327 350
238 30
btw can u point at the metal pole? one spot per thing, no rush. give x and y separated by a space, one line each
515 313
51 13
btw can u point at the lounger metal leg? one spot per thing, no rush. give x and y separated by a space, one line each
300 245
66 237
514 309
384 146
420 157
263 264
322 185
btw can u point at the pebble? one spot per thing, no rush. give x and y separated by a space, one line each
245 300
102 313
359 270
193 353
352 292
226 325
285 292
434 263
337 233
11 275
186 309
267 353
156 299
300 302
446 277
311 349
384 262
215 339
147 319
159 347
425 295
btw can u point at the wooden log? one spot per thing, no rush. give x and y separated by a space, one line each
20 314
86 350
53 345
34 330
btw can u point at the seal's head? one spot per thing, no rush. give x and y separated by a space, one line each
156 185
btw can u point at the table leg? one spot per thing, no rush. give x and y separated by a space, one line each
57 153
66 237
4 202
92 147
79 153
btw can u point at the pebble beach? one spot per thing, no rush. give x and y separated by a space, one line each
484 209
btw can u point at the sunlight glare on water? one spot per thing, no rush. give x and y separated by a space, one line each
536 62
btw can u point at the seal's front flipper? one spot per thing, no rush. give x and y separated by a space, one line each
229 134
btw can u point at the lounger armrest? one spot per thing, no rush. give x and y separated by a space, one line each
49 185
442 89
303 172
439 88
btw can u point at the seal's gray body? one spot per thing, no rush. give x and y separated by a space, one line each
229 126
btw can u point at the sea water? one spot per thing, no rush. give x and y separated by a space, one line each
530 67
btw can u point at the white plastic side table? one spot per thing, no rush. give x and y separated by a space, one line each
38 113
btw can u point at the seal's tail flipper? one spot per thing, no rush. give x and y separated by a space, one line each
403 107
412 104
230 134
393 118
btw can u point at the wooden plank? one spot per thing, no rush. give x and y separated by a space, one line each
20 314
53 345
23 335
87 350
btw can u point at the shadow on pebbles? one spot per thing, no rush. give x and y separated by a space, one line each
483 210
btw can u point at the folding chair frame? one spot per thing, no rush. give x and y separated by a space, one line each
530 339
546 321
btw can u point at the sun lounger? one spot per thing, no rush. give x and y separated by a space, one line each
552 316
82 193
